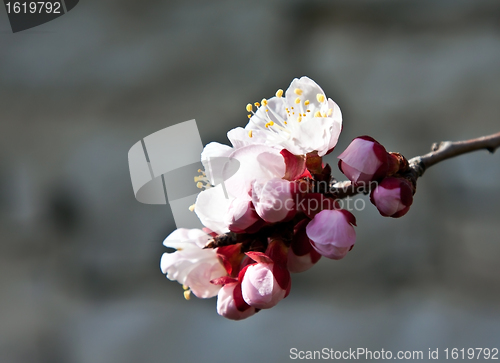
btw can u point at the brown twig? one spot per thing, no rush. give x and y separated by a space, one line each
419 164
447 149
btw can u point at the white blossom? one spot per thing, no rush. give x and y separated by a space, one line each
302 122
190 264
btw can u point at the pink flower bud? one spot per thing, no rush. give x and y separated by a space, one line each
393 197
332 233
264 283
301 254
364 160
230 303
273 200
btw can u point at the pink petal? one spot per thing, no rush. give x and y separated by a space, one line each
331 230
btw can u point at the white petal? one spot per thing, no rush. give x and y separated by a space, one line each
256 162
199 279
211 206
186 238
310 90
214 151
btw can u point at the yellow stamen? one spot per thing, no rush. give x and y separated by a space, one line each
286 122
191 207
330 111
250 133
270 123
249 116
199 185
187 294
317 114
249 107
306 103
279 93
299 119
297 91
257 104
185 287
297 100
320 98
264 102
308 111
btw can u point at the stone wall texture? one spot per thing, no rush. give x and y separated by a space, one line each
79 256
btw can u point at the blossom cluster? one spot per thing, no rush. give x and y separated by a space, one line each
266 205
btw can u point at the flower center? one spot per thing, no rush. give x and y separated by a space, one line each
302 110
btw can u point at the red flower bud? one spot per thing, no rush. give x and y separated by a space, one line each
393 197
364 160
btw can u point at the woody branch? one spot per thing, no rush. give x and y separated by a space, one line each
416 167
419 164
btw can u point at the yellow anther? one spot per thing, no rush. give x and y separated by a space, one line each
286 122
270 123
257 104
299 119
308 111
264 102
200 171
250 133
267 110
297 91
249 107
279 93
187 294
306 103
249 116
317 114
330 111
185 287
191 207
297 100
292 108
320 98
199 185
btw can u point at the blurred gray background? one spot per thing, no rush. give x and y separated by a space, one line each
79 256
